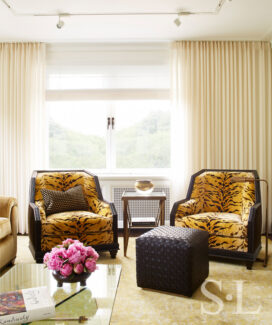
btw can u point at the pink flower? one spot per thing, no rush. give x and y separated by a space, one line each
78 244
71 257
82 249
67 242
55 249
46 258
66 270
78 268
74 256
91 252
54 262
62 253
90 264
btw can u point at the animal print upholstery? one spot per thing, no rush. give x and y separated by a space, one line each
75 222
220 207
93 227
216 223
49 242
229 243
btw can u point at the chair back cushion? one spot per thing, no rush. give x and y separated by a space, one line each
63 181
217 193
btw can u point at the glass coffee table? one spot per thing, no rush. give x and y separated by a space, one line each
95 301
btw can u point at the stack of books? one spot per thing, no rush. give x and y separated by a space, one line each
26 305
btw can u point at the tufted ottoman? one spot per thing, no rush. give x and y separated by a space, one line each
172 259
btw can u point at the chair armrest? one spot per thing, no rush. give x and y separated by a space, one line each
184 208
254 227
35 211
107 209
6 206
34 226
102 207
9 209
14 221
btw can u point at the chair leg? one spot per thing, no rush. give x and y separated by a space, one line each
249 265
39 260
113 253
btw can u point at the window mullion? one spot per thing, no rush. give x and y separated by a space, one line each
113 145
108 140
111 154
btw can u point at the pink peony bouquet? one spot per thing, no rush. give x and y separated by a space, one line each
71 258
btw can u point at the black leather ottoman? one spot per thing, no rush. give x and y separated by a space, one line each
172 259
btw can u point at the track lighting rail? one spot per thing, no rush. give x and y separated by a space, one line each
62 14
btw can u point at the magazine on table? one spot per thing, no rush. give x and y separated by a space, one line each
26 305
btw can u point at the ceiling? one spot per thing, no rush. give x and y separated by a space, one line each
237 20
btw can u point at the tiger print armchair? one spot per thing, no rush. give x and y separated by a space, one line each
229 211
96 227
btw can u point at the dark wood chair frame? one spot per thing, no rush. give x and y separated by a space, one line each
254 222
34 219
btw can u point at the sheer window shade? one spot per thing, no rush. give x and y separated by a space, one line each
95 68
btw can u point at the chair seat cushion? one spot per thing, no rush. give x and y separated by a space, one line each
5 227
75 222
228 243
216 223
100 238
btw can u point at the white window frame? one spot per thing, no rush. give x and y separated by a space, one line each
114 94
68 58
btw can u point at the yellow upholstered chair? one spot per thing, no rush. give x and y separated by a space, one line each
229 211
96 225
8 230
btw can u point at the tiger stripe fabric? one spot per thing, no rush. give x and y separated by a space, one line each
89 240
220 207
93 227
75 222
222 224
229 243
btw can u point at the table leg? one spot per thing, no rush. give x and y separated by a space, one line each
125 212
162 212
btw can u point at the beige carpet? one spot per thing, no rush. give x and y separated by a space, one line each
134 305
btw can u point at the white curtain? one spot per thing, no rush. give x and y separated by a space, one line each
22 120
222 109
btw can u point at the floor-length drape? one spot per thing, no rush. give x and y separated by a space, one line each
22 120
222 104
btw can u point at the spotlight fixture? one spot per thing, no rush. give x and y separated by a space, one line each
60 23
177 22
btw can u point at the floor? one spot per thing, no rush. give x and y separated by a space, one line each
235 295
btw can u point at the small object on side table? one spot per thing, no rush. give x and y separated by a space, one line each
144 186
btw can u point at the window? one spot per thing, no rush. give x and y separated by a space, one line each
109 116
80 137
142 138
77 134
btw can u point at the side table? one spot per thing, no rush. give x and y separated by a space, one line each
133 223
